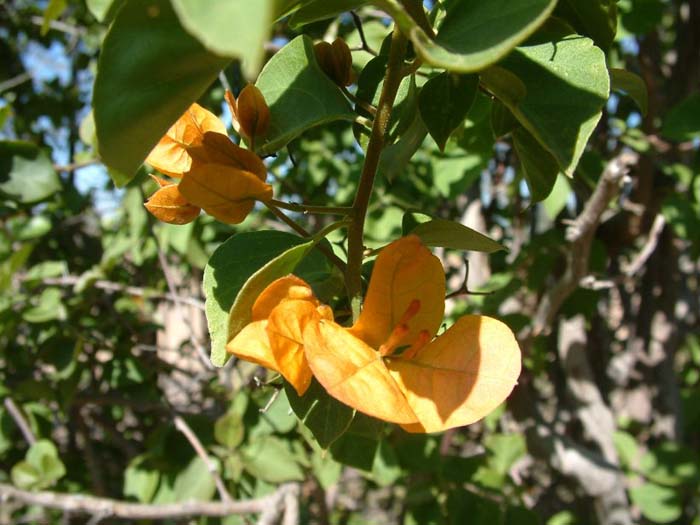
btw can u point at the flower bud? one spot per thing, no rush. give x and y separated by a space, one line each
252 113
335 60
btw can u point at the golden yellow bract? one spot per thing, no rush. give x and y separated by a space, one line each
388 365
218 176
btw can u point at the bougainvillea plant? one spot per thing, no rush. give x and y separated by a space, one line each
378 343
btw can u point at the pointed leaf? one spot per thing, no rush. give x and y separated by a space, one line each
444 102
539 166
563 87
448 234
633 85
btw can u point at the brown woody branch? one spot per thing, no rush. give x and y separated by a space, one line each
274 504
580 236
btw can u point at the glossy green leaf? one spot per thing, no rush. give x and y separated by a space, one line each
659 504
539 167
231 267
562 88
150 71
315 10
502 120
326 417
633 85
596 19
444 102
449 234
682 122
233 28
299 94
26 173
476 34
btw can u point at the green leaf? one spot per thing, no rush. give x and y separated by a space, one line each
195 482
539 167
326 417
444 102
52 12
627 449
150 71
386 469
315 10
449 234
556 200
683 217
394 158
502 120
271 459
670 464
682 122
229 269
563 87
505 450
299 94
234 28
25 476
46 269
476 34
596 19
103 10
658 504
43 464
141 480
633 85
26 173
49 307
229 430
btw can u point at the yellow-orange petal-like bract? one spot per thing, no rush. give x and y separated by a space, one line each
168 205
274 338
172 154
225 192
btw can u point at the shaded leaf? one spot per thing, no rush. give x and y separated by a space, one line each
436 232
26 173
539 167
633 85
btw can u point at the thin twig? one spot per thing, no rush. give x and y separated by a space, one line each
90 505
183 427
360 31
337 261
15 81
20 421
110 286
307 208
76 165
652 241
580 236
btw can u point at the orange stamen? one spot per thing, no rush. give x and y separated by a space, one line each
401 329
422 340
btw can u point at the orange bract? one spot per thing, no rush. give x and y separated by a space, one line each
172 155
274 338
217 175
389 365
168 205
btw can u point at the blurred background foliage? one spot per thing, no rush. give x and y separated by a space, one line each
99 357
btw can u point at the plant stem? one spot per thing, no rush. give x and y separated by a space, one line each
392 79
305 208
337 261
